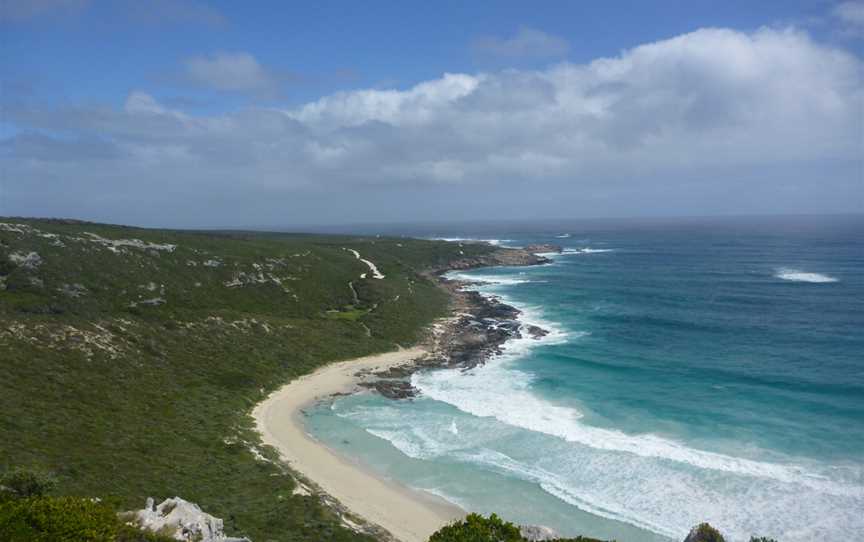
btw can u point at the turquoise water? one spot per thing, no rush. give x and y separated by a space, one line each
695 371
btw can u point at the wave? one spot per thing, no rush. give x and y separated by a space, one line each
563 236
501 391
796 275
571 251
494 242
491 280
661 496
498 391
556 485
586 250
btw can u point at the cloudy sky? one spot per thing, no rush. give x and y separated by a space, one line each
242 114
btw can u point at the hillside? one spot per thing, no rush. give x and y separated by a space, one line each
130 358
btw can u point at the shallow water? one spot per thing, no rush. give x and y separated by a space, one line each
695 371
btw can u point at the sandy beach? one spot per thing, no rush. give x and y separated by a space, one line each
410 515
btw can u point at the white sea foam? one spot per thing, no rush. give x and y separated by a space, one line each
494 242
587 250
438 492
796 275
498 280
573 251
662 496
499 391
453 427
557 485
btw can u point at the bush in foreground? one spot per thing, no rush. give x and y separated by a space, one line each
19 483
29 514
476 528
66 519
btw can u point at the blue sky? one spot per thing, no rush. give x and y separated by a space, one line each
92 87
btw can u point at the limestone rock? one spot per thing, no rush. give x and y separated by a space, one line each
182 520
537 532
30 260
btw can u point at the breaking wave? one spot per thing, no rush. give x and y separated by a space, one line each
796 275
494 242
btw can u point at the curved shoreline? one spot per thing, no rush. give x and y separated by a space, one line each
409 515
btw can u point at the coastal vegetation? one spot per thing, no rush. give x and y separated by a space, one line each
476 528
130 358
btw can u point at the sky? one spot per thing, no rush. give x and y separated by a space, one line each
184 113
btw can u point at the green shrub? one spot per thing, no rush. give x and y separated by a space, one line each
21 483
476 528
705 533
66 519
57 519
6 266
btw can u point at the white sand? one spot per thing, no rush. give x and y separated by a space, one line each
410 515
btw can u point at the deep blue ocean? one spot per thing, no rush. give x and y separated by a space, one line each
696 370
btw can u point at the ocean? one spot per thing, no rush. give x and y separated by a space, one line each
695 370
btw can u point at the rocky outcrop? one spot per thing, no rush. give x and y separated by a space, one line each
536 332
501 256
181 520
391 389
537 533
480 326
544 248
30 260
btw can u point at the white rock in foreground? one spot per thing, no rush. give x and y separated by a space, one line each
182 520
537 532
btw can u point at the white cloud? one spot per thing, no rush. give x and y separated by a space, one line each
851 16
394 107
140 102
695 114
232 72
850 12
527 43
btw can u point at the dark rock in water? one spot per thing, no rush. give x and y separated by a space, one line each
544 248
402 371
536 332
704 533
392 389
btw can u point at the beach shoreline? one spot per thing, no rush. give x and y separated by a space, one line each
409 515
